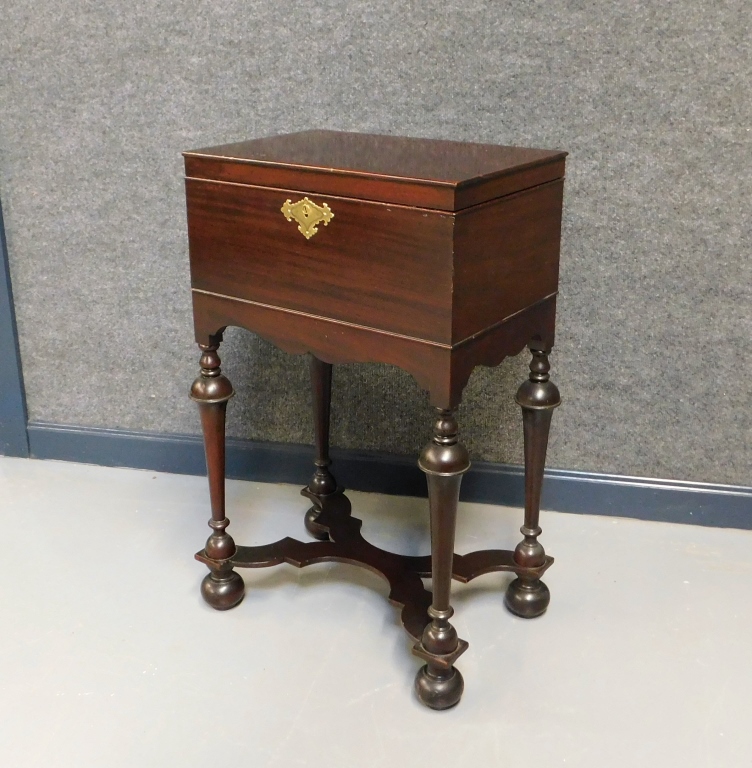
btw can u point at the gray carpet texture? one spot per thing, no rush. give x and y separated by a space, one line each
652 100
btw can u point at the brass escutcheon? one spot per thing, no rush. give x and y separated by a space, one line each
308 215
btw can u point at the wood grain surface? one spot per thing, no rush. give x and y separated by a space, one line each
428 173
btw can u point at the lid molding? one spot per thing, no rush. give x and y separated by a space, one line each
427 173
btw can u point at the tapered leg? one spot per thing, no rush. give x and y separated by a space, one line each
538 396
438 684
323 482
222 588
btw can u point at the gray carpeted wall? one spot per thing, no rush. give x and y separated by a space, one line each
652 100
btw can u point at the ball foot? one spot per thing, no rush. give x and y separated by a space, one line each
223 590
316 530
527 599
439 688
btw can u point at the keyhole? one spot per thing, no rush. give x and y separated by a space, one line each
305 211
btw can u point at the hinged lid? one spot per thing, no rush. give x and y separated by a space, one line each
427 173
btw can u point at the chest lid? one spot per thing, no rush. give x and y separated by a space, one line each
426 173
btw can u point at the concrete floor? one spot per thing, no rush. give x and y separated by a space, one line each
109 658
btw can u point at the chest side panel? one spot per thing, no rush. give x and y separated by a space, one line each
506 257
381 266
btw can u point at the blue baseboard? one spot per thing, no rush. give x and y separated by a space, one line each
13 440
708 504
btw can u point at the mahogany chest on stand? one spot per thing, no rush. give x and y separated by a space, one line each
433 256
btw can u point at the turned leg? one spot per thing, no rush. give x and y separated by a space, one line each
538 396
222 588
444 460
323 482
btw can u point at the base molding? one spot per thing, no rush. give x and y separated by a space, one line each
674 501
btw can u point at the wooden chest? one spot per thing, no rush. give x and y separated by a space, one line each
435 256
433 242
